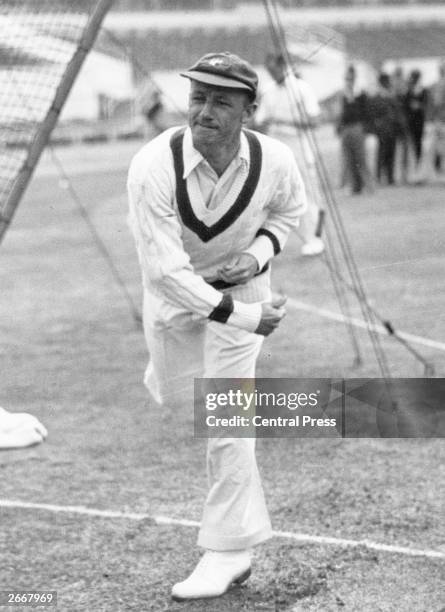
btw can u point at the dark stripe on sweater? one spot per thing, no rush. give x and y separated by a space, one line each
272 238
221 284
188 217
224 309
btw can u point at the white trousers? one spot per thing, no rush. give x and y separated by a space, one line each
235 516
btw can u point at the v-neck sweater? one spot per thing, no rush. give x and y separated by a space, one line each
179 262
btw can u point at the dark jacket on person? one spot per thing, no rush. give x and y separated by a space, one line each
416 103
383 116
353 110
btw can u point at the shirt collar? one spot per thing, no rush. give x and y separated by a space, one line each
192 157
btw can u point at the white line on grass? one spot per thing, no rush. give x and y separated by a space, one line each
336 316
403 262
165 520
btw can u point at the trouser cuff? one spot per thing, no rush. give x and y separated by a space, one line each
220 543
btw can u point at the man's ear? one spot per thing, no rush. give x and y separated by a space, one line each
249 112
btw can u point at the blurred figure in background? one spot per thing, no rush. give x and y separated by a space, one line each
416 101
153 110
288 110
438 118
351 127
399 89
383 123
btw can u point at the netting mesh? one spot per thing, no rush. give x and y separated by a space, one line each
38 38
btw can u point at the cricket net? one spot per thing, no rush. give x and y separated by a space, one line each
42 46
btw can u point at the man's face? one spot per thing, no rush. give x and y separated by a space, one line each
216 114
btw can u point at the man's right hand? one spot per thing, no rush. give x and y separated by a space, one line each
272 313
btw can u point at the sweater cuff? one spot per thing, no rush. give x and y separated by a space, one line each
245 316
262 249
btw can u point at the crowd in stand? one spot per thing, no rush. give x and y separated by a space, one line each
396 114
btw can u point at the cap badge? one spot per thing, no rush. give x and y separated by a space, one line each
218 61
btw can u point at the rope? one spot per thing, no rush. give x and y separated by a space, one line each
331 202
277 34
369 314
428 365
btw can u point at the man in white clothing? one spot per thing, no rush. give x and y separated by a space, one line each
210 205
288 110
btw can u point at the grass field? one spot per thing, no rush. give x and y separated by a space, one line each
72 355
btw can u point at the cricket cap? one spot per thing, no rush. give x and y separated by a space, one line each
224 70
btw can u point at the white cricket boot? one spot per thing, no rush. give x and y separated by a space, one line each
18 430
314 246
214 574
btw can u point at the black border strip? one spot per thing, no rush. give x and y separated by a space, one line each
272 238
222 284
224 309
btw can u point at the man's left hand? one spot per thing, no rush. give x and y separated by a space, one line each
239 269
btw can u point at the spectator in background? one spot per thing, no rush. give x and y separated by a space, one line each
416 101
438 118
399 89
351 127
383 123
288 110
153 111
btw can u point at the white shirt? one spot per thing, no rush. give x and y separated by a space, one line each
174 260
287 103
203 180
283 106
